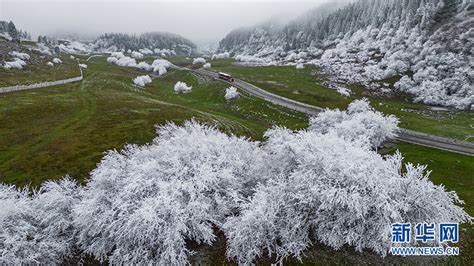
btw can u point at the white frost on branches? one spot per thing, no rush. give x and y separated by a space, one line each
159 65
231 93
57 61
142 80
120 59
137 55
181 87
16 63
223 55
360 121
142 204
37 229
22 56
327 189
199 60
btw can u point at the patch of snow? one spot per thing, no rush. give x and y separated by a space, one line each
142 80
137 55
181 87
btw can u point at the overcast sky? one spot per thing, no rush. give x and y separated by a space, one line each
198 20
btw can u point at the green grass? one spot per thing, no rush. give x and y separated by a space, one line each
304 85
37 71
48 133
180 60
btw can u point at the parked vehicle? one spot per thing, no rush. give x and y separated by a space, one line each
225 76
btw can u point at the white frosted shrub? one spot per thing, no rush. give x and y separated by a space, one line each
19 55
136 55
16 63
328 189
199 60
181 87
142 204
360 121
37 229
141 81
231 93
223 55
161 66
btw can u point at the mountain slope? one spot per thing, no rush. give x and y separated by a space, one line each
428 43
113 42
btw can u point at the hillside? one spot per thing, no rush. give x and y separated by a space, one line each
112 42
424 45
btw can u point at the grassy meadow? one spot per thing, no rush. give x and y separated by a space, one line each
304 85
65 130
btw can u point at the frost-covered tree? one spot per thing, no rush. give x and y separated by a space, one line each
12 31
141 205
182 87
331 190
37 228
428 42
231 93
359 121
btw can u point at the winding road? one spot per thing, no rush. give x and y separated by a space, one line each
452 145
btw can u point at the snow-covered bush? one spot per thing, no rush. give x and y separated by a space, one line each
137 55
199 60
83 66
43 49
141 205
181 87
249 59
161 66
327 189
50 64
22 56
57 61
37 229
142 80
231 93
223 55
299 66
158 65
207 65
360 121
120 59
72 57
145 51
16 63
